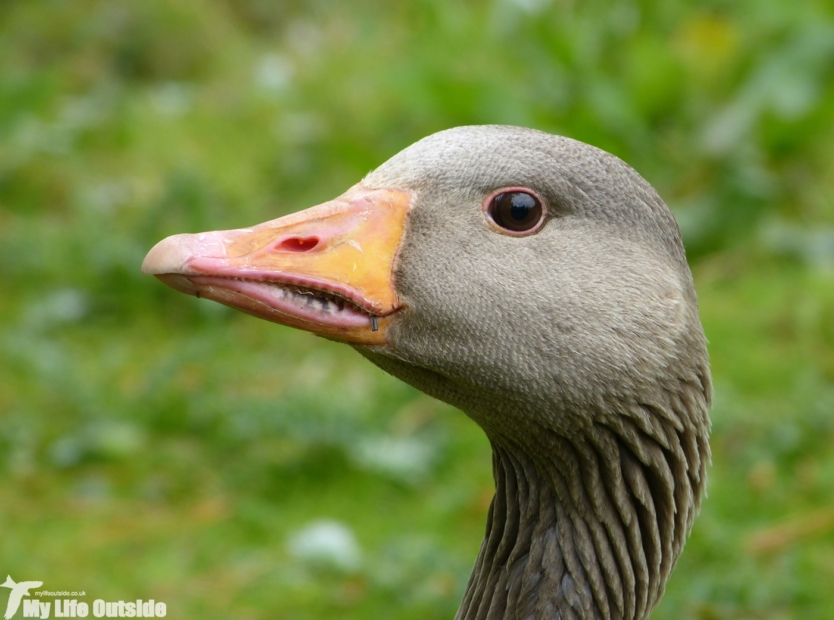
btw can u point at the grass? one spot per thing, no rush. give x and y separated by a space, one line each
157 446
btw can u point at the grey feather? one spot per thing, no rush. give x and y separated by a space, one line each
578 350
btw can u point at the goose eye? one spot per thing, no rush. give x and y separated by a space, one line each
516 211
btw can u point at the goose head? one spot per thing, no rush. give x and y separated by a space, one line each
540 285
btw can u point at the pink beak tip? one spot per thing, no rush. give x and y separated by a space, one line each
169 255
173 254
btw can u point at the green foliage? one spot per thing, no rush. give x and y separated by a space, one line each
156 446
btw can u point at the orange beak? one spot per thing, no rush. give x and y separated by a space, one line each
327 270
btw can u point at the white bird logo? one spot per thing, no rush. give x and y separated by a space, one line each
18 591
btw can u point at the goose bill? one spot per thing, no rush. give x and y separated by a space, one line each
327 270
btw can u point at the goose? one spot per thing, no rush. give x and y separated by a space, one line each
540 285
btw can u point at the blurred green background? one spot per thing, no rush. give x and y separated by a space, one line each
157 446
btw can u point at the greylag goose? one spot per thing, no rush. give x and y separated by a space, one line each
540 285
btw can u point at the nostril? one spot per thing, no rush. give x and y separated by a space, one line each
298 244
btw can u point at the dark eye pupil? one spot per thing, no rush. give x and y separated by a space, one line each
522 204
516 211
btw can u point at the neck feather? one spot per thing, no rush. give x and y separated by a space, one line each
591 525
